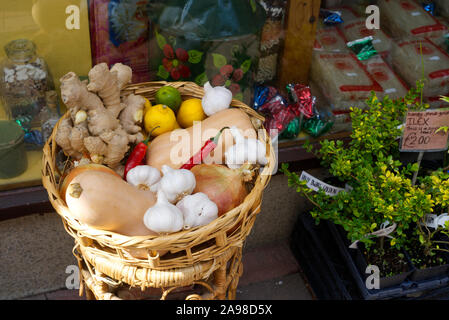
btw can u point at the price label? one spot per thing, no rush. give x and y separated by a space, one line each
316 185
434 221
422 131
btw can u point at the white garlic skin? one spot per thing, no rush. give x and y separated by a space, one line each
176 183
143 177
215 99
245 150
163 217
198 210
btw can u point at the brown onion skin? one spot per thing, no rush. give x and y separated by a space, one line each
222 185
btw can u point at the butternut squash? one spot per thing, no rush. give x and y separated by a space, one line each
77 170
176 147
106 202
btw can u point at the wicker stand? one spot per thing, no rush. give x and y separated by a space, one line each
208 256
218 283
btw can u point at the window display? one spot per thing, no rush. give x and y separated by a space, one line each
254 48
220 45
153 127
39 41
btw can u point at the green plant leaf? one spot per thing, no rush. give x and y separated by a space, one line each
446 99
421 239
253 5
239 96
219 60
444 129
161 42
195 56
201 79
246 65
162 73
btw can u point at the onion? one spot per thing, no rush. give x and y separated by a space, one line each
224 186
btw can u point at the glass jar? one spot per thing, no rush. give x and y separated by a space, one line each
24 80
13 157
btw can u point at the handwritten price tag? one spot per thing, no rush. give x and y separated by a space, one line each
421 132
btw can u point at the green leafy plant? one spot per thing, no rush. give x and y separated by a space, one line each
381 190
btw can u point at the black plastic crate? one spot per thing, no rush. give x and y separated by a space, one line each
319 258
404 289
332 272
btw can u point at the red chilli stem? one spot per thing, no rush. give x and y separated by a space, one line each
147 140
217 137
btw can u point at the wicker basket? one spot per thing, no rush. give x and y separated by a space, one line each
194 254
222 284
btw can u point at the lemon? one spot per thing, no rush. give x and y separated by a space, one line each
190 110
160 116
169 96
147 105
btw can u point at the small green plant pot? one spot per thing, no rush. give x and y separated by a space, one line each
13 158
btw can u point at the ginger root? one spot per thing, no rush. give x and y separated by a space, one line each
132 116
107 85
101 125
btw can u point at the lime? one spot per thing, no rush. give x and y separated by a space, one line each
170 97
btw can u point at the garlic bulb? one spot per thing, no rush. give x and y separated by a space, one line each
143 177
197 209
215 99
176 183
163 217
245 151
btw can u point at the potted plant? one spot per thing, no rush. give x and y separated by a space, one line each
428 245
381 207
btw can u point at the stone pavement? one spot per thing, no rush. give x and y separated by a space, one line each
270 272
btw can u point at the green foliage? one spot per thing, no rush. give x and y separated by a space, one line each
382 188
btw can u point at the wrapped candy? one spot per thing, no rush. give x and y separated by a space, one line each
278 114
317 126
303 99
292 130
363 48
429 7
34 137
262 94
274 105
320 124
331 17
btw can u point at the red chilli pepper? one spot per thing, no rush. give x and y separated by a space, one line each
137 156
210 145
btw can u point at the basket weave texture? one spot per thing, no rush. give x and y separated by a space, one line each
194 254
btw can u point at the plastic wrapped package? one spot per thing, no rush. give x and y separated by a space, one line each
392 84
331 3
119 33
200 41
341 119
403 18
356 29
343 79
358 6
330 39
271 39
442 7
407 62
347 13
436 102
336 16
